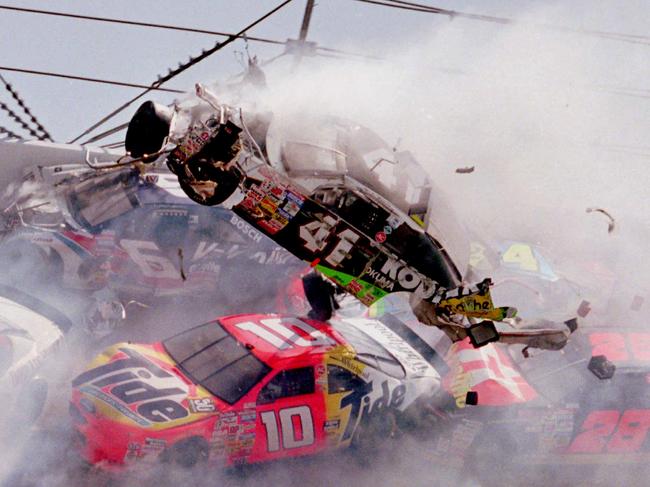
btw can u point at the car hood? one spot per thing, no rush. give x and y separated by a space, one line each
412 361
141 385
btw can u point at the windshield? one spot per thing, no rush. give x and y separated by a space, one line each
101 198
311 145
368 350
31 202
214 359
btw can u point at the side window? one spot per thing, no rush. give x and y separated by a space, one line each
288 383
341 380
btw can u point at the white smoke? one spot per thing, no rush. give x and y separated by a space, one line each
533 111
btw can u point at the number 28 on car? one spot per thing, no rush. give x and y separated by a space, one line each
246 389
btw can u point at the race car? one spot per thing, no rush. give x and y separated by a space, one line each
335 195
566 412
30 332
563 412
76 228
246 389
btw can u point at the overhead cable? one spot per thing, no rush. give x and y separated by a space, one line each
16 118
134 23
419 7
85 78
182 67
21 104
11 134
160 26
106 133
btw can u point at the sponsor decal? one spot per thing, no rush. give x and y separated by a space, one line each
355 287
349 363
612 431
331 425
393 342
91 391
247 416
359 402
134 380
245 228
228 417
408 279
202 405
154 445
393 221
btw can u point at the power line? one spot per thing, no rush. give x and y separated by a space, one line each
21 104
122 126
84 78
620 90
16 118
106 133
402 7
10 133
182 67
160 26
135 23
418 7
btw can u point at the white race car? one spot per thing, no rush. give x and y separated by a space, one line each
30 330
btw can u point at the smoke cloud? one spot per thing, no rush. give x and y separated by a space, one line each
539 115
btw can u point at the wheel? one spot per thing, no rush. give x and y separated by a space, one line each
147 129
187 453
372 437
212 190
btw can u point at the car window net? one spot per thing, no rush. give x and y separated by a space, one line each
289 383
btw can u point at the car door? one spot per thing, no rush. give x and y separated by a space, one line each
290 415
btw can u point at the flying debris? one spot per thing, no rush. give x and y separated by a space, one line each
465 170
612 223
637 303
180 263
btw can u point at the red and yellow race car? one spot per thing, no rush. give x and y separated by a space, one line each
248 388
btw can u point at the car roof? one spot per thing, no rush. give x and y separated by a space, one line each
275 338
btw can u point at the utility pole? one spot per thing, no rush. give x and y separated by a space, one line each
304 28
301 46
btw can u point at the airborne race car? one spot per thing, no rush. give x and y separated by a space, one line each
85 230
246 389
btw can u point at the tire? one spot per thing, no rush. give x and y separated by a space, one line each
147 129
227 183
187 453
373 437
